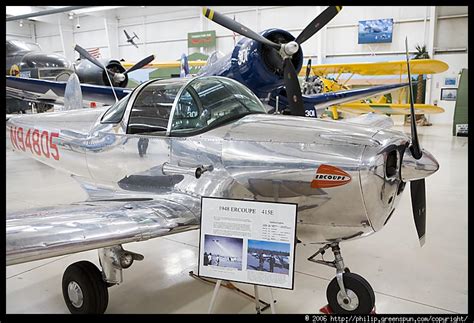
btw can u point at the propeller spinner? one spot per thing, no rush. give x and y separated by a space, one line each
286 50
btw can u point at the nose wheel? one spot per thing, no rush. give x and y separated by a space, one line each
359 299
84 289
347 293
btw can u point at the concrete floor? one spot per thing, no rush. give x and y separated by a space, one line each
405 277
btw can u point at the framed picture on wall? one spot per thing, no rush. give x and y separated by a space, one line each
375 31
448 94
450 81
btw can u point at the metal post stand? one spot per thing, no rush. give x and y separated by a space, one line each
218 283
214 295
272 304
257 303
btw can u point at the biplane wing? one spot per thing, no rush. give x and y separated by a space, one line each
169 64
417 66
388 108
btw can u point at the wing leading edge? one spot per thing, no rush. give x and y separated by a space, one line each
389 108
418 66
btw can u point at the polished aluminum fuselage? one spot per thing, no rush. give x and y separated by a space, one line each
258 157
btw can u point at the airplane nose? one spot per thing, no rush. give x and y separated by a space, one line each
413 169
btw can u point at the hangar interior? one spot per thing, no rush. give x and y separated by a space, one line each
404 277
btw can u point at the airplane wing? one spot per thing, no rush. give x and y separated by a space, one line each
37 90
324 100
417 66
50 232
167 64
388 108
131 40
126 34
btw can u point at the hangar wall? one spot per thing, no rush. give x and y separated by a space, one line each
163 32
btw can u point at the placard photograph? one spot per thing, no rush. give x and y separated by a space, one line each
269 256
223 251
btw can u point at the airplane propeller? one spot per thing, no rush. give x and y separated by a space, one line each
287 50
417 187
116 76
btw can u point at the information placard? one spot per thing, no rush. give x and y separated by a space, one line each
248 241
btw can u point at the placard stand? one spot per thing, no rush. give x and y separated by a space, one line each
258 302
256 298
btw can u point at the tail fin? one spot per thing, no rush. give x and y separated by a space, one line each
73 94
184 69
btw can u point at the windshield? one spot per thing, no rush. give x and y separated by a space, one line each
151 109
115 113
209 102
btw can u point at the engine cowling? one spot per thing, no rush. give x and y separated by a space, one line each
92 74
255 65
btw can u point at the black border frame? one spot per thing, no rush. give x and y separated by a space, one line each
243 282
448 88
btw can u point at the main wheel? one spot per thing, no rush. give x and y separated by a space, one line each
361 295
84 290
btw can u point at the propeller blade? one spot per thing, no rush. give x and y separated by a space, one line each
308 70
418 203
140 64
415 146
293 90
319 22
237 27
84 53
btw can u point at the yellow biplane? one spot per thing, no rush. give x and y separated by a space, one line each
324 84
166 64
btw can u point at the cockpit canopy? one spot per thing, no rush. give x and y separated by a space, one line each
181 106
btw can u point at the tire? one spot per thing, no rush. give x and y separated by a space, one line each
355 285
86 277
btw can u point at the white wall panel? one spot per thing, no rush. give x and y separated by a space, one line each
14 31
169 30
452 10
50 44
451 33
456 63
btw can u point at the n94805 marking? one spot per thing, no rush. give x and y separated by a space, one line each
40 143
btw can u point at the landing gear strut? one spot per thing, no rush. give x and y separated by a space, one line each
85 286
347 293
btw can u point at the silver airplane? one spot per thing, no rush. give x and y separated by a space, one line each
146 161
